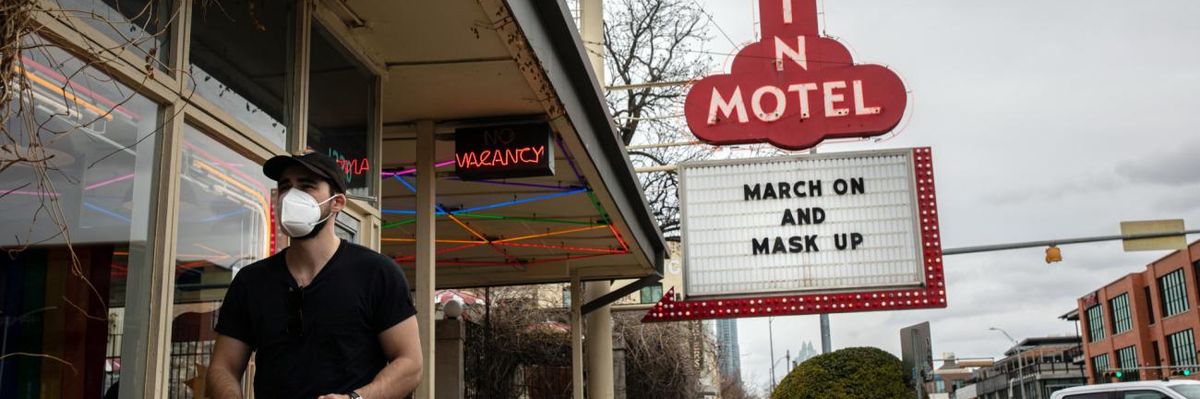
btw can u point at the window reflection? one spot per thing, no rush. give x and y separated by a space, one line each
339 106
140 25
225 224
238 59
74 227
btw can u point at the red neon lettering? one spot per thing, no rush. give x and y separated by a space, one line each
363 167
500 157
356 167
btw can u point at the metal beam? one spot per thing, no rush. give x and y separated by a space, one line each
663 145
650 84
619 293
1065 241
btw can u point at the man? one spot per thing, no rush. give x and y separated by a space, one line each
328 319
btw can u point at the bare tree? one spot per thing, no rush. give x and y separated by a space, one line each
732 387
653 48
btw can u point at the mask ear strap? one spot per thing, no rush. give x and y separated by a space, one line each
330 210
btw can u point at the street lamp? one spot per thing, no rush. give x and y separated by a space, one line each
1020 361
773 384
771 341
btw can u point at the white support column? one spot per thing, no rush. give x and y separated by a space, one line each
599 321
425 271
296 92
576 337
599 343
591 31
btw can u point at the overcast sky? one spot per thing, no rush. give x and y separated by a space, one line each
1047 120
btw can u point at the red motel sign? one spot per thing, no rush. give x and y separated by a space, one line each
794 88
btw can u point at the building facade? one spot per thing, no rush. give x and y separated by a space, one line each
729 356
1033 369
131 190
1144 324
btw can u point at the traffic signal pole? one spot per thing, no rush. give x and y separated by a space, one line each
1048 243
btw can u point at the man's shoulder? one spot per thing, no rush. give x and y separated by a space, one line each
363 255
258 270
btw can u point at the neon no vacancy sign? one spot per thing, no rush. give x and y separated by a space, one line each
506 151
794 88
808 234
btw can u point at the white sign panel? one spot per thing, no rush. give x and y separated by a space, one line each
803 224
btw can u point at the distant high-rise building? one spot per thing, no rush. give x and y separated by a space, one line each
728 355
807 351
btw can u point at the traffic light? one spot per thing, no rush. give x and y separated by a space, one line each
1053 254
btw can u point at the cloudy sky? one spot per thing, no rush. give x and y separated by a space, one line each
1048 120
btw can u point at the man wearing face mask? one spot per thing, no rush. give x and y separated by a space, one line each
325 318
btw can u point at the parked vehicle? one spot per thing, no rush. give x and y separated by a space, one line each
1179 389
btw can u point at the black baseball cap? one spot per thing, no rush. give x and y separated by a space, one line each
320 164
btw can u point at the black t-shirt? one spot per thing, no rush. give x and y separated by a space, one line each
356 296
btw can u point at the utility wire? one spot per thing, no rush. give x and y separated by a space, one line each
714 22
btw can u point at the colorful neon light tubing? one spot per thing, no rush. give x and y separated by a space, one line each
69 96
570 159
599 209
443 211
618 237
262 201
106 212
437 241
404 212
77 87
525 263
516 184
522 201
552 233
29 193
392 225
227 165
107 182
413 170
563 247
440 251
525 219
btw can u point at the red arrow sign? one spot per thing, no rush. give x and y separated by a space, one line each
794 88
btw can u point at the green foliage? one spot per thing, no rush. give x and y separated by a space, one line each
851 373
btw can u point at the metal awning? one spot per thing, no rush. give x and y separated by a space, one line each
462 63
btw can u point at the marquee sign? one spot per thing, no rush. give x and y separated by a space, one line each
506 151
810 234
794 88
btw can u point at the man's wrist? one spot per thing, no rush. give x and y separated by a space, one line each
354 395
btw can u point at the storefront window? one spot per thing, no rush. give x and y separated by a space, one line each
225 223
139 25
239 61
77 161
340 103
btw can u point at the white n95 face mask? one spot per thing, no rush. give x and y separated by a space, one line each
300 213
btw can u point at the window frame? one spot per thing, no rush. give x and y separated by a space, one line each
1125 356
1172 289
1095 324
143 376
1100 364
1186 349
1122 317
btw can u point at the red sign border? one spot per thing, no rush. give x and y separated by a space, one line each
931 296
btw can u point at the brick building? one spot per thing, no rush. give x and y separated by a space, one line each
1146 322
